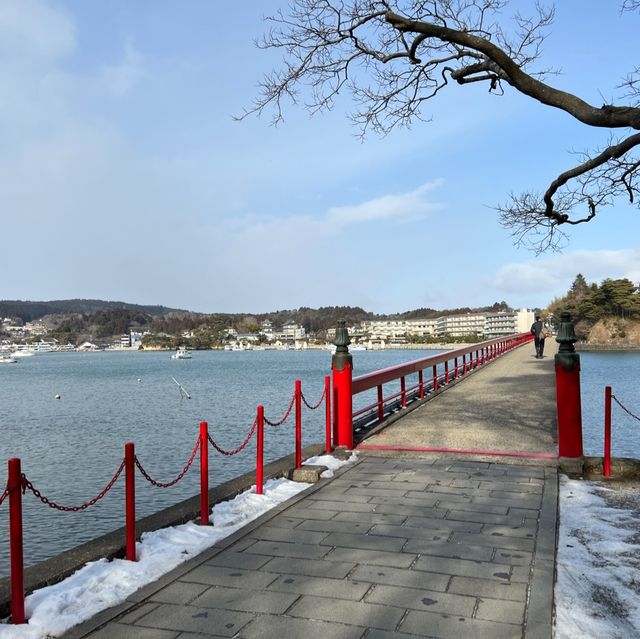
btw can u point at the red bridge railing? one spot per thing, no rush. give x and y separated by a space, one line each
18 483
417 379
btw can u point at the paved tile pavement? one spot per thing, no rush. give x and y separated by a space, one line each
391 548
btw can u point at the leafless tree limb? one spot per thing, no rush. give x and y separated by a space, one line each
395 55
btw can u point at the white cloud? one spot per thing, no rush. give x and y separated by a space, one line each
33 32
555 274
398 206
119 78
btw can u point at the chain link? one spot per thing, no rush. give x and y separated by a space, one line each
239 448
308 405
5 493
159 484
624 408
286 415
47 502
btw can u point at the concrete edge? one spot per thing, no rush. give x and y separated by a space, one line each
111 545
540 600
139 596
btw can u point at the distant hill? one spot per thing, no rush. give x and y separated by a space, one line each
30 311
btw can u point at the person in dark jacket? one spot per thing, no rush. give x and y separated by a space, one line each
537 330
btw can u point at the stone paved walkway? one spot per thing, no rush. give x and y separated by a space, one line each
391 548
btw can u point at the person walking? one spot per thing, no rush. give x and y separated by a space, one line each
539 333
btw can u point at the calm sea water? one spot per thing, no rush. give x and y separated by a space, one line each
71 447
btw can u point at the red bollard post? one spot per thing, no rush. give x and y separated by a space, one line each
15 541
342 368
327 402
607 432
298 395
567 365
204 474
260 451
130 501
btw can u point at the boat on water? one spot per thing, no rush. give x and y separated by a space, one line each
7 359
22 353
181 353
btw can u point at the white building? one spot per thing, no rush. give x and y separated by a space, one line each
460 325
292 331
400 328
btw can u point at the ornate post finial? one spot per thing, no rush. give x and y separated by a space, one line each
341 342
566 336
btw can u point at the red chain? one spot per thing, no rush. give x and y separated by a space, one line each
306 403
27 484
168 484
5 493
239 448
624 408
284 419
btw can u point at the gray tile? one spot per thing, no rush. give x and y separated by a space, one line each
137 613
444 549
352 589
288 535
456 627
372 518
121 631
192 619
336 526
310 567
349 612
337 506
243 560
305 512
299 551
245 600
489 588
373 557
364 542
269 627
234 577
503 611
431 533
423 599
406 578
432 522
494 540
463 568
179 592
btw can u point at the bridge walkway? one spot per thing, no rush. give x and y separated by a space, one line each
402 544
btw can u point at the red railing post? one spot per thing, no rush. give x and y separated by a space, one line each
455 370
421 383
380 404
327 402
446 372
435 378
607 432
464 364
204 474
130 501
403 391
567 366
298 395
260 451
14 484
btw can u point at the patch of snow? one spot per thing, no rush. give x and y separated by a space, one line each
102 584
330 462
597 593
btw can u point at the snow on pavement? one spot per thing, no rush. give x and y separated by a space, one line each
102 584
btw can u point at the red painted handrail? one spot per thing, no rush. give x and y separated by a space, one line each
376 378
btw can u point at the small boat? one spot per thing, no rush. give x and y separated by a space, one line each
357 347
22 353
7 359
181 353
238 347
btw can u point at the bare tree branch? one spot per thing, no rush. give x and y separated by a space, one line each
395 55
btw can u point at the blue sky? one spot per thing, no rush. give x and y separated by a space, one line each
124 176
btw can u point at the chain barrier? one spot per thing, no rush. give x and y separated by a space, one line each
308 405
159 484
624 408
239 448
5 493
286 415
45 500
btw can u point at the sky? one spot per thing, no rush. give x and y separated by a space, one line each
124 175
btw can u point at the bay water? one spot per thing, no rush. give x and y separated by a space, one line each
70 447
